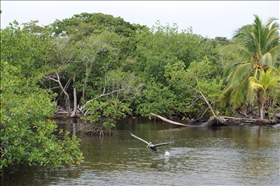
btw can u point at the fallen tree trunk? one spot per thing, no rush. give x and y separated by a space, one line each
220 121
177 123
236 121
229 121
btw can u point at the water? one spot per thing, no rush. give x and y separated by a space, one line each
237 155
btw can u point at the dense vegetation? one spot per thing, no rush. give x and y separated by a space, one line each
256 77
104 68
27 133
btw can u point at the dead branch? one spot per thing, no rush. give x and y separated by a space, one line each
208 104
103 94
63 90
174 122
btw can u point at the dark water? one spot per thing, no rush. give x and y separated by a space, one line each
238 155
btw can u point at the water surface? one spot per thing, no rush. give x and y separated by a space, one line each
237 155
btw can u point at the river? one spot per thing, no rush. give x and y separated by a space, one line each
235 155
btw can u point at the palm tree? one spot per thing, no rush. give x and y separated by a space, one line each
258 45
267 84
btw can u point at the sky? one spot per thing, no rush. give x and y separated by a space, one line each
206 18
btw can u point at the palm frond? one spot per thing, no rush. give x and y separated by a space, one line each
251 95
271 21
241 72
254 83
272 37
275 53
238 95
235 47
265 81
270 79
229 70
266 59
225 96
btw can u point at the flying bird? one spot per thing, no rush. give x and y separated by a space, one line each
149 144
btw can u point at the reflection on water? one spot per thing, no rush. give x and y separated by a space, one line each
238 155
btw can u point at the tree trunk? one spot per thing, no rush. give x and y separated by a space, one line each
74 112
220 121
261 104
84 88
175 123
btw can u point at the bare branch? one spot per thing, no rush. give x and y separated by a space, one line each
62 88
51 78
175 123
109 93
208 104
103 94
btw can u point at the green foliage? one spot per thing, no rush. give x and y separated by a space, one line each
180 96
157 99
27 135
97 54
258 46
199 76
116 60
22 48
85 24
125 86
266 83
120 89
134 69
107 112
163 45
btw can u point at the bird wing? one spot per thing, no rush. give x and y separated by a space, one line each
138 138
162 144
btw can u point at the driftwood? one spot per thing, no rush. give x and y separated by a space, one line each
177 123
221 121
237 121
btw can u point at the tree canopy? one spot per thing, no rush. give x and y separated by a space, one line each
28 135
258 45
